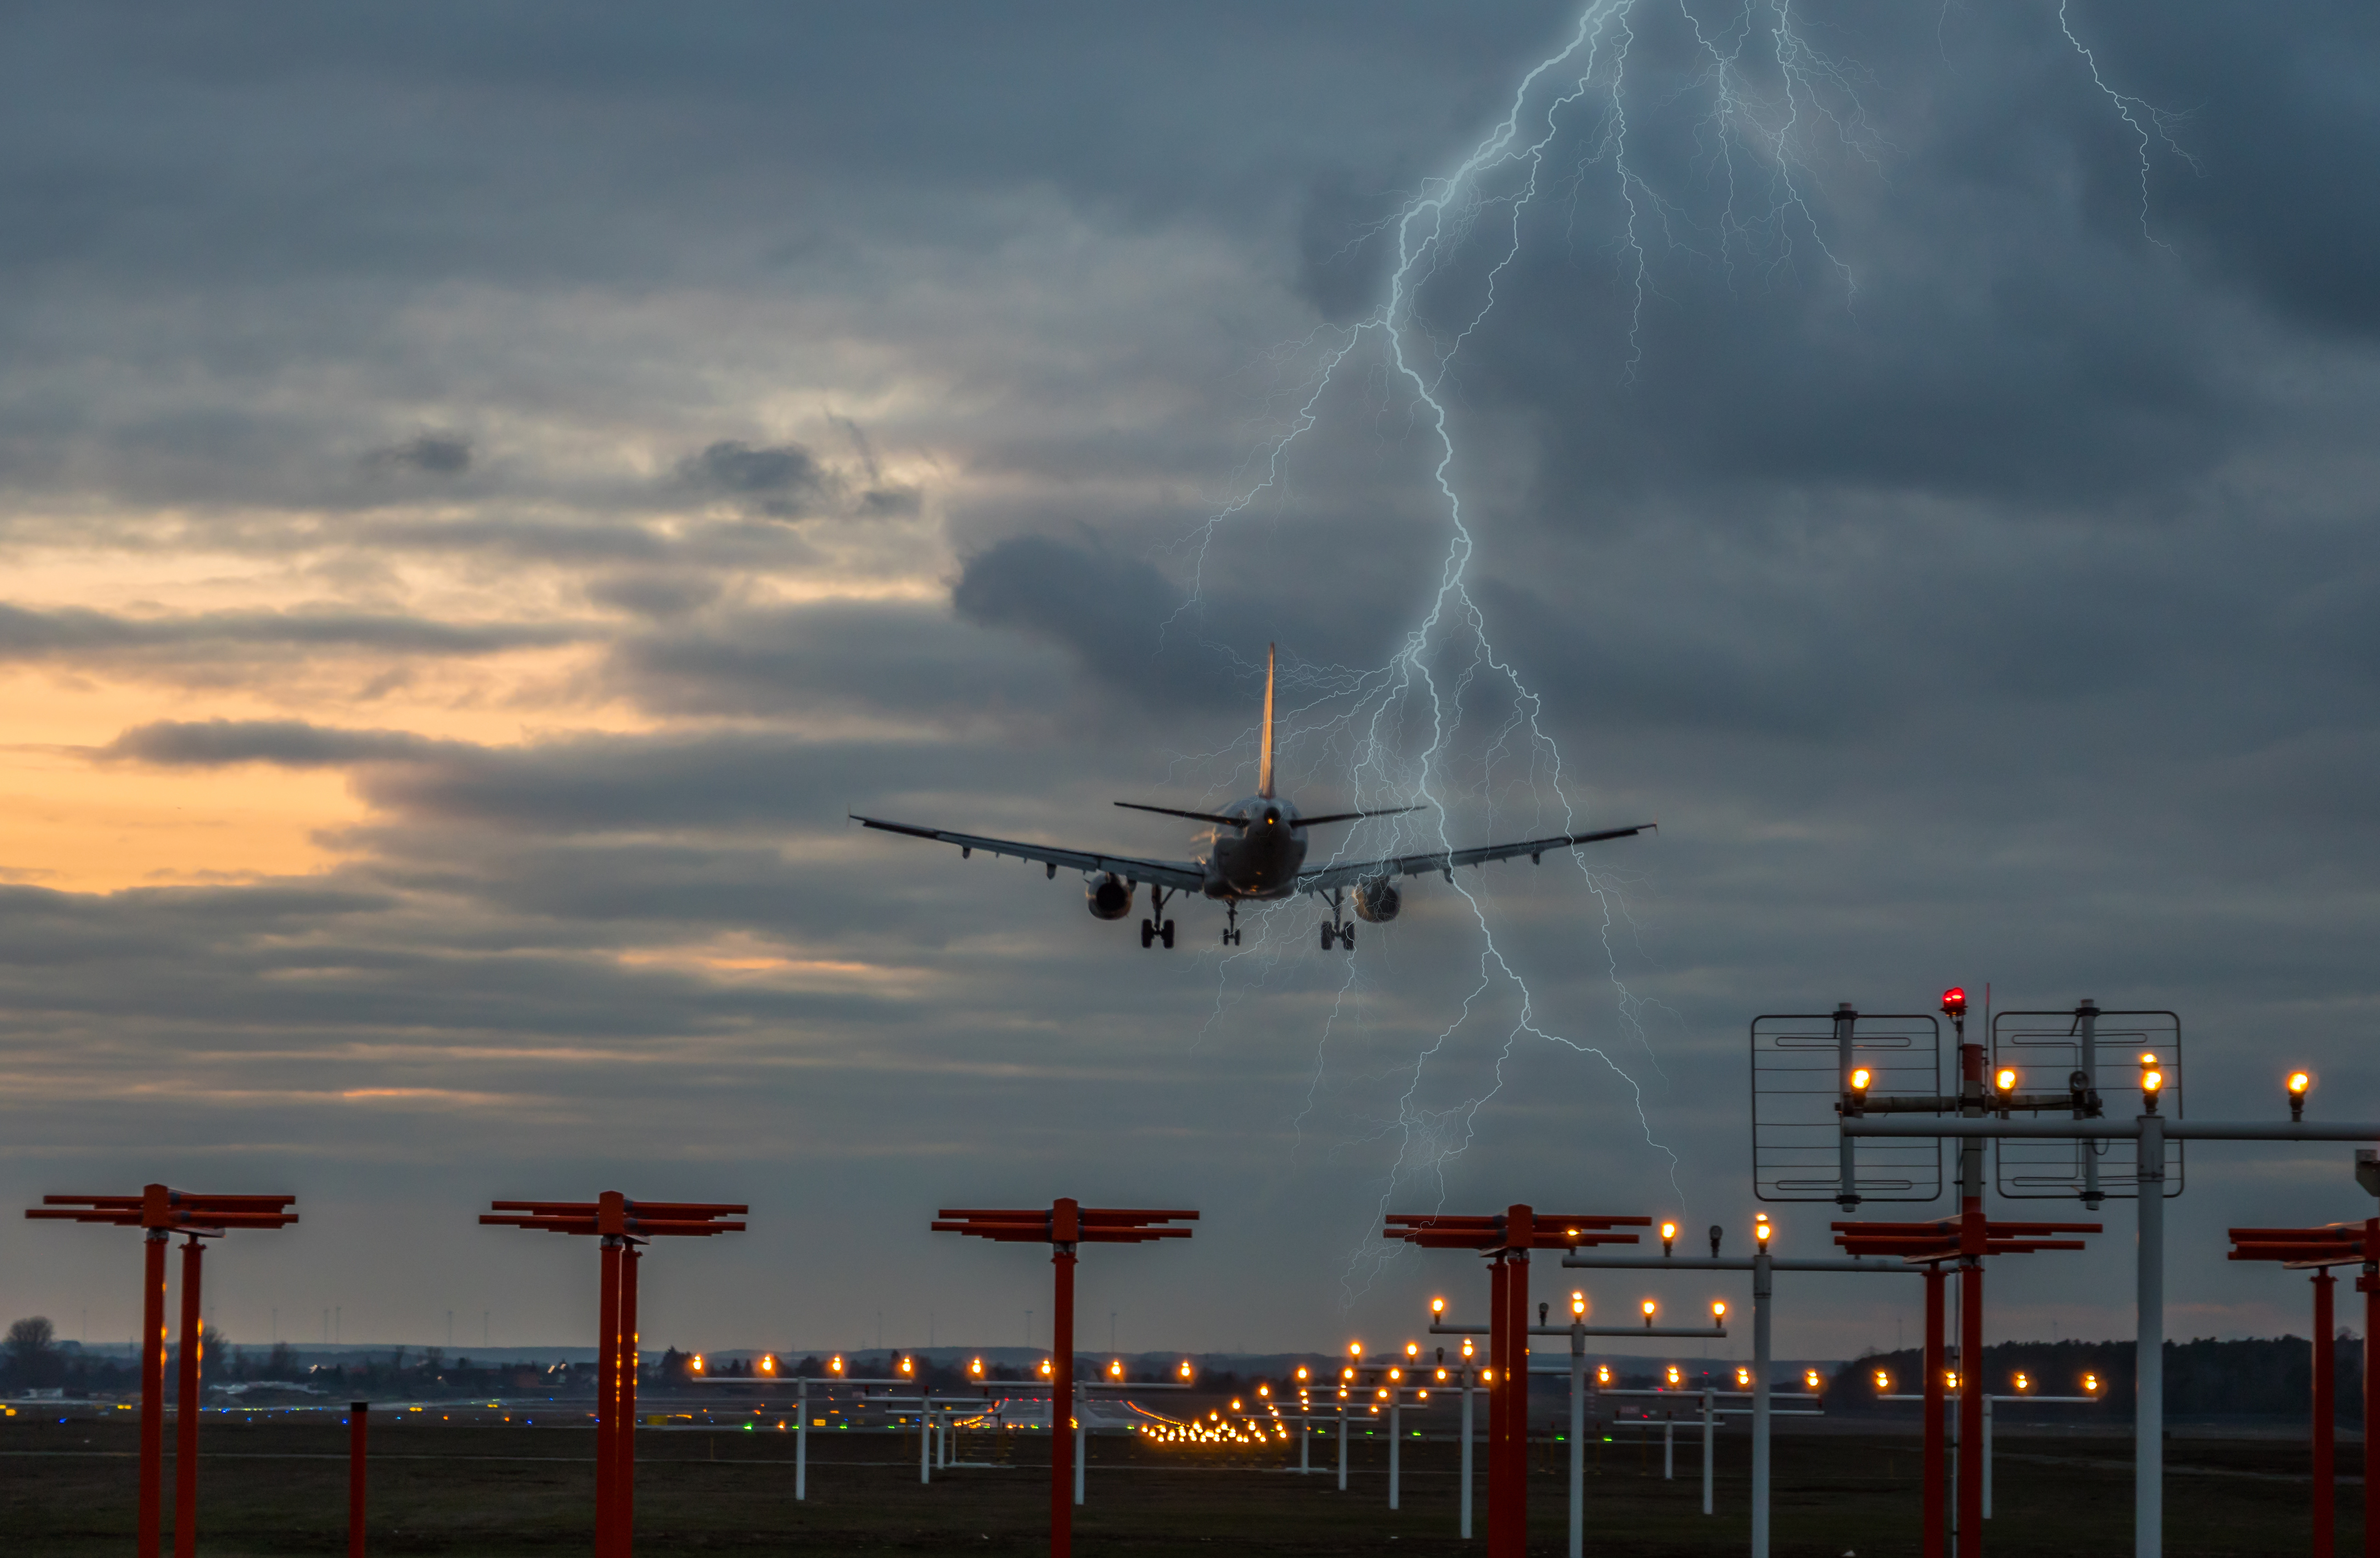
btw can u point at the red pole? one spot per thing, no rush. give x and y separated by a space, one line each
1064 1230
1518 1230
2370 1284
607 1370
2326 1494
1971 1408
153 1394
356 1413
623 1439
185 1409
1499 1397
1930 1542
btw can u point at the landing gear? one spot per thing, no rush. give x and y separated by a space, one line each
1159 928
1231 924
1337 928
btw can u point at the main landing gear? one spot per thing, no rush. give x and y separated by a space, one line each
1337 928
1232 923
1159 928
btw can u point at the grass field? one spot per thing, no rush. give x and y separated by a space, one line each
468 1488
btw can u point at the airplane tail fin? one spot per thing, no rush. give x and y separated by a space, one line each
1264 760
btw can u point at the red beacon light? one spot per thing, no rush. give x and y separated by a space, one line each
1954 1002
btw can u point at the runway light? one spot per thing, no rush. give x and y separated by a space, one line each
1115 1369
1649 1307
1300 1371
1954 1002
1412 1351
1437 1308
1396 1373
1810 1379
1185 1368
1744 1379
2300 1082
836 1363
1487 1376
2091 1384
1045 1368
1354 1349
1673 1376
2023 1381
1762 1228
698 1363
2151 1082
908 1365
1668 1237
1264 1390
2005 1080
1603 1373
1577 1305
1882 1382
974 1367
1859 1081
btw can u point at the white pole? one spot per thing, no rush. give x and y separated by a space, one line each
1577 1438
1466 1454
1669 1449
1987 1457
1760 1286
2148 1355
1080 1438
1342 1449
925 1439
1305 1434
1707 1449
802 1438
1395 1422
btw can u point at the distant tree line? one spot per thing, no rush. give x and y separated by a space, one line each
2259 1377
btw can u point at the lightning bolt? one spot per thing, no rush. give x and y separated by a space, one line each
1772 102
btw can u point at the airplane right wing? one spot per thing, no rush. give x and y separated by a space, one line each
1181 876
1322 879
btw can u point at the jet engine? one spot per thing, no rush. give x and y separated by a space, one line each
1378 900
1109 899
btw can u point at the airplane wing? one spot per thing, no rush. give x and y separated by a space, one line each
1343 874
1183 875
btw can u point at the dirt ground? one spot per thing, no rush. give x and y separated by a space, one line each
278 1486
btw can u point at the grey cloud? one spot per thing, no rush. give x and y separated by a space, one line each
76 633
284 743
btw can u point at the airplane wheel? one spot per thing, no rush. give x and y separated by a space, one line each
1148 933
1166 935
1330 934
1347 936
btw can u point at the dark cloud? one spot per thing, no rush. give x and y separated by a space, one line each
284 743
436 454
784 479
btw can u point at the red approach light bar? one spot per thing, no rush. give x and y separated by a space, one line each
1542 1231
161 1208
1954 1237
1063 1223
618 1216
2336 1244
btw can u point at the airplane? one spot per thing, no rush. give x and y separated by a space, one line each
1255 852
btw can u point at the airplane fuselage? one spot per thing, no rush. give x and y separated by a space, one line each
1260 860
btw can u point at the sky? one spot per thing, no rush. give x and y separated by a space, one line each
486 490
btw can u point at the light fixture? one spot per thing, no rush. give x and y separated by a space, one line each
1649 1308
2300 1082
2151 1082
1668 1237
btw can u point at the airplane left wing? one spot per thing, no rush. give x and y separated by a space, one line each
1345 873
1182 875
